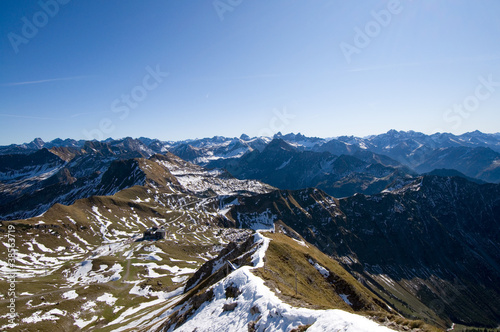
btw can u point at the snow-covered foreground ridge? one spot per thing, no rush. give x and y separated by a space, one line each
257 306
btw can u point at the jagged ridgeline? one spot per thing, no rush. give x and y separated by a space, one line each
420 253
429 249
35 176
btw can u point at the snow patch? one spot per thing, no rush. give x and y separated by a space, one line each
284 164
70 295
81 323
345 298
108 298
53 314
324 272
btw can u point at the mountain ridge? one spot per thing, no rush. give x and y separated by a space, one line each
424 245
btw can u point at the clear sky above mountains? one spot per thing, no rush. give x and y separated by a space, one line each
177 69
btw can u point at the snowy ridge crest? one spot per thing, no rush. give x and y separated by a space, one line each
242 301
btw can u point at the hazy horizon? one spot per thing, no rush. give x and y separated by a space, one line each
238 136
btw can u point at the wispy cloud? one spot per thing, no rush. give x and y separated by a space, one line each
68 117
26 116
81 114
45 81
71 116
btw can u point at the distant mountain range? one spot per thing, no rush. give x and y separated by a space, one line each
404 146
415 150
287 167
390 226
36 175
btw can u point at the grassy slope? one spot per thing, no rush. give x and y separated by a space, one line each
287 258
185 217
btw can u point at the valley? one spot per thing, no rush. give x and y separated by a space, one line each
406 251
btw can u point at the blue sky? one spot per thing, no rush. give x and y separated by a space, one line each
176 69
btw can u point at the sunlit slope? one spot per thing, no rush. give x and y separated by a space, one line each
84 266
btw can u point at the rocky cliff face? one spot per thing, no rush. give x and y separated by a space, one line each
288 167
430 248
